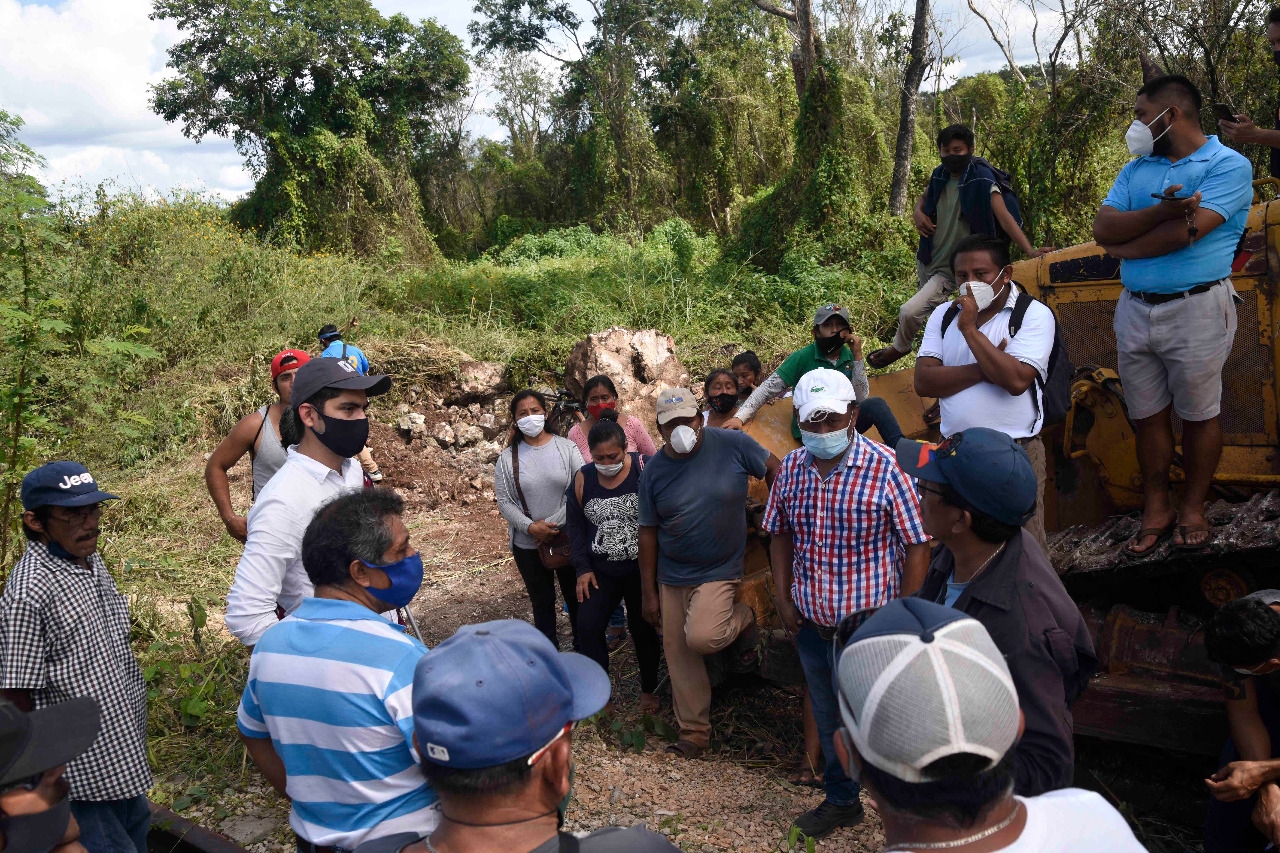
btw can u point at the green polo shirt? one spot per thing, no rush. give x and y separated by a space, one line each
805 359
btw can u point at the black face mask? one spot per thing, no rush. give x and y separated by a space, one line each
956 163
723 404
830 344
39 832
345 438
1275 56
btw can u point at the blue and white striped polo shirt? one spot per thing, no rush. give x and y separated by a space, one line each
331 686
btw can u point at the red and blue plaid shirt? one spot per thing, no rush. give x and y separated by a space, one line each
849 531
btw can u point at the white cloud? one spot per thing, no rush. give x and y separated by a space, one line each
78 72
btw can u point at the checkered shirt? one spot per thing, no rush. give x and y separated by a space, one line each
64 632
849 531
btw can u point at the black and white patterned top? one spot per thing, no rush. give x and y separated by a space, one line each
64 632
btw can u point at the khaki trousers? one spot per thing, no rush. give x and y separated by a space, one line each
914 313
366 461
1036 453
696 621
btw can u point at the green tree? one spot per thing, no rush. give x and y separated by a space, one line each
325 99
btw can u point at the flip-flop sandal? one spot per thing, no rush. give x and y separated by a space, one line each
879 359
685 749
1184 529
1161 534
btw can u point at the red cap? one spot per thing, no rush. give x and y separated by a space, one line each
290 359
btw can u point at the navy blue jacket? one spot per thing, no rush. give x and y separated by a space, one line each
975 202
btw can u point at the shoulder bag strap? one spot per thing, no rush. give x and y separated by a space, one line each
515 473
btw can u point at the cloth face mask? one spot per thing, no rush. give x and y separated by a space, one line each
406 578
594 409
531 425
345 438
609 470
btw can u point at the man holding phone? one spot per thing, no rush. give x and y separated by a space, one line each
1239 127
1174 217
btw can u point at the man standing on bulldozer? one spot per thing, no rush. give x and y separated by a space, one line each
1174 217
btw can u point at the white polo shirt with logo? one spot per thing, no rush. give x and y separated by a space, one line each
986 404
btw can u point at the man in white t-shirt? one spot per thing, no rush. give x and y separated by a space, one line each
931 718
985 361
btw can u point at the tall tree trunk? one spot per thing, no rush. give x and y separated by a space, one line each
907 109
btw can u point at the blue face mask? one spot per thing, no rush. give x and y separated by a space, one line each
825 445
406 579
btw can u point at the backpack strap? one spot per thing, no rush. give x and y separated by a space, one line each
953 310
1020 306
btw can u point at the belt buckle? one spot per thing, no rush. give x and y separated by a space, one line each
827 634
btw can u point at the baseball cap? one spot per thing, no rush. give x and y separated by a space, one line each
290 359
676 403
919 681
987 468
33 742
328 331
61 484
500 691
826 312
822 390
321 373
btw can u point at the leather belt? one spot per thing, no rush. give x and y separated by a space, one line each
1162 298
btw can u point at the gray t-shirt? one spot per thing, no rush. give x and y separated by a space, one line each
699 507
543 480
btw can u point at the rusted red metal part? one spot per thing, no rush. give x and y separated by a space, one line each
1156 685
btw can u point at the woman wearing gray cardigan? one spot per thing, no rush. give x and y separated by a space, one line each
535 506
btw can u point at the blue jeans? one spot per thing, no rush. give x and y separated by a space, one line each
113 826
875 412
818 662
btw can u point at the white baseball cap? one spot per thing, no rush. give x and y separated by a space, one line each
822 390
918 682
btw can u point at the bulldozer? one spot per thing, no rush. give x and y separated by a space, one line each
1156 686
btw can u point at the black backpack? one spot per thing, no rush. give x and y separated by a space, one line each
1056 391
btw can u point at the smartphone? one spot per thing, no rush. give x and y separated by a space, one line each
1163 197
1224 112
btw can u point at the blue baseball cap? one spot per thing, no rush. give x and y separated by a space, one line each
61 484
500 691
987 468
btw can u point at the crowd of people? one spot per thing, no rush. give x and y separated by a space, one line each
940 650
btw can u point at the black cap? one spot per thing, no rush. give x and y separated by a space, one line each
328 332
320 373
32 743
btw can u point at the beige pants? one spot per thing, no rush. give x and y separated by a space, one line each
366 461
1036 452
696 621
914 313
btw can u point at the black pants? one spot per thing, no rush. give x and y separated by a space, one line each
875 412
540 582
593 618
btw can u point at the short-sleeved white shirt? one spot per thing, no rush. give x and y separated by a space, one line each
986 404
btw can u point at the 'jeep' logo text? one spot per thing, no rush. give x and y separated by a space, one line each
77 480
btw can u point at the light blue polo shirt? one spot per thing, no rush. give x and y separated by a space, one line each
1225 181
351 352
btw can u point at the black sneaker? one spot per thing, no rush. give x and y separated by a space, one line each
826 818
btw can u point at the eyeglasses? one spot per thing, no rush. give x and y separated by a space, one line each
78 515
846 627
533 759
923 490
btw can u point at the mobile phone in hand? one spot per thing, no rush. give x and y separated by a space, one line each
1163 197
1224 112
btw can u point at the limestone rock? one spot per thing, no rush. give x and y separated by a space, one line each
478 380
489 451
248 829
640 363
468 435
443 434
489 425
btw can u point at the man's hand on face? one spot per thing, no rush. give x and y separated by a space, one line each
854 342
967 321
1237 781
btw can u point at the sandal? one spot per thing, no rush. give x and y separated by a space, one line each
1184 529
685 749
615 637
883 357
1161 534
651 705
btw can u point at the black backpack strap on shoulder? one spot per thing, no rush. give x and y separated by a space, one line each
948 318
1020 306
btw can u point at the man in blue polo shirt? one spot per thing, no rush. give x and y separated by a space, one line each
1176 319
327 713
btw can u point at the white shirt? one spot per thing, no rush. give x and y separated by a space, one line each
270 570
1071 820
986 404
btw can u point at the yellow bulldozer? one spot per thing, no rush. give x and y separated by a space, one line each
1146 614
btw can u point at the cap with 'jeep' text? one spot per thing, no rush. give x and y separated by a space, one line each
320 373
61 484
500 691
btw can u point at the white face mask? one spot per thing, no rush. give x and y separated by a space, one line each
1139 139
531 425
609 470
982 293
684 439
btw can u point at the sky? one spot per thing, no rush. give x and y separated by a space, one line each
78 71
